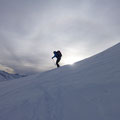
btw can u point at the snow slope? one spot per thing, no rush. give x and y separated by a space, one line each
4 76
88 90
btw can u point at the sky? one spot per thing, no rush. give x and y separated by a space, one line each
30 30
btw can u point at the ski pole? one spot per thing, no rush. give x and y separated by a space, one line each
53 61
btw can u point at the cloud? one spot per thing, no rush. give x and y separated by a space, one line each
6 69
31 30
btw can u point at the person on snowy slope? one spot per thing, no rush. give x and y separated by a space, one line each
58 55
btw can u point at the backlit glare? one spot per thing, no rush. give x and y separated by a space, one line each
70 60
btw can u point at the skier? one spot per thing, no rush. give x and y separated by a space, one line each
58 55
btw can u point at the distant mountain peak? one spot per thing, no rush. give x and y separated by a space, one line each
4 76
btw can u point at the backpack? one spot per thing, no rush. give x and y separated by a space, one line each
59 54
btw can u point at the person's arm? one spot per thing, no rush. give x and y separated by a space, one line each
53 56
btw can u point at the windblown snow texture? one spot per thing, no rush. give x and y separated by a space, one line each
88 90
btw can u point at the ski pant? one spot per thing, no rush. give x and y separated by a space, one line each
57 61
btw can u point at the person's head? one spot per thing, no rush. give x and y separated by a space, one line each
54 52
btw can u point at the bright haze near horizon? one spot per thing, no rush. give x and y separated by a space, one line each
30 30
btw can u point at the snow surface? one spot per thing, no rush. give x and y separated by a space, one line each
4 76
88 90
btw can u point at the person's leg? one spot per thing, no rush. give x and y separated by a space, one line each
57 61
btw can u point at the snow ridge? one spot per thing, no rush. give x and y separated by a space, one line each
88 90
